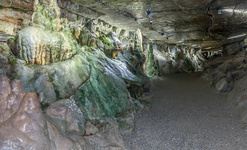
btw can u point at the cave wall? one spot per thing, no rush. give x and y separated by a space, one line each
84 77
178 58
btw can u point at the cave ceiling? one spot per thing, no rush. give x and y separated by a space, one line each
201 23
197 22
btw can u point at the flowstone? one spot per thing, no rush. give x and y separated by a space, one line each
48 39
105 94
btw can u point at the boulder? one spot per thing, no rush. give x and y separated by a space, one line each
53 82
126 123
105 93
24 126
67 115
238 98
108 137
222 85
91 129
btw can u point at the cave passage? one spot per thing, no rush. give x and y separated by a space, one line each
187 114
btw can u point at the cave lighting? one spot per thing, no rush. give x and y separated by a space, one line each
236 36
232 10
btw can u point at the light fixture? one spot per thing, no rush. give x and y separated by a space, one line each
149 13
220 11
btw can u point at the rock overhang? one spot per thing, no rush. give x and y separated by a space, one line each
203 24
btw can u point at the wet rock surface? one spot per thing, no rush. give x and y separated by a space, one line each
25 126
53 82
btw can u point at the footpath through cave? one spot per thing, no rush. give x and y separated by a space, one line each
187 114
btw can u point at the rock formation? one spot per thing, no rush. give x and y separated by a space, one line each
85 65
25 126
48 40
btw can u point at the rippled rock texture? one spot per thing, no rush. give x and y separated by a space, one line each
48 40
15 15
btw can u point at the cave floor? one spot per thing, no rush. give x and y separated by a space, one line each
187 114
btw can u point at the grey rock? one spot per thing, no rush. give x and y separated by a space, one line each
218 77
107 138
91 129
126 123
238 98
229 77
138 106
222 85
56 81
68 116
232 48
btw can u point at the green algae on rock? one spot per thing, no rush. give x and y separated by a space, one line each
105 94
150 63
56 81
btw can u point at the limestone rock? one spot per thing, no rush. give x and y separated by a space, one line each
53 82
91 129
172 59
13 20
68 116
86 37
232 48
24 126
105 94
7 60
108 138
47 40
146 100
238 98
126 123
11 96
232 68
138 106
222 85
218 77
229 77
21 4
38 46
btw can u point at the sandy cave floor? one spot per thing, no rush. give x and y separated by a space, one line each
187 114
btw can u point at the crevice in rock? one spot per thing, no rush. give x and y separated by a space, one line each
208 8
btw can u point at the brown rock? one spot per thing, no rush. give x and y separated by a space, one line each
24 126
10 99
13 21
